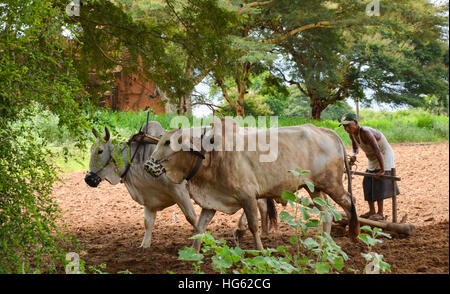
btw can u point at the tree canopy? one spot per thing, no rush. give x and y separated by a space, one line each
331 50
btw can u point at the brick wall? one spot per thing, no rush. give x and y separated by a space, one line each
130 93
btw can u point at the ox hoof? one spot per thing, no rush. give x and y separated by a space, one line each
237 235
145 245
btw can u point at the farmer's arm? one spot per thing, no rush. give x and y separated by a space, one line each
355 149
369 138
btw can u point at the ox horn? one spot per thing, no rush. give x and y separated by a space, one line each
107 135
94 131
153 139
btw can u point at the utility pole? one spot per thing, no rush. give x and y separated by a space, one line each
357 108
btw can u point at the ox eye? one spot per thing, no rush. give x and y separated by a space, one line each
167 143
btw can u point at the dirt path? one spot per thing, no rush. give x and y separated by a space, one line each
109 224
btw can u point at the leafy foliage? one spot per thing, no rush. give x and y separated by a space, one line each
35 76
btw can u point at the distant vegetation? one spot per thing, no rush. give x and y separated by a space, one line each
400 126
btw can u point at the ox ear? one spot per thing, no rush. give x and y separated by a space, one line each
96 134
107 135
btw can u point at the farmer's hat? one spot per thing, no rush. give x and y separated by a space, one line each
347 118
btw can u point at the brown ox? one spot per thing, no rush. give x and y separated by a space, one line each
229 180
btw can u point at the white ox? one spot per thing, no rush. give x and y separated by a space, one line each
229 180
154 194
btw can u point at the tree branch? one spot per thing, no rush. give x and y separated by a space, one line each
202 75
322 24
210 105
257 4
225 93
117 62
291 82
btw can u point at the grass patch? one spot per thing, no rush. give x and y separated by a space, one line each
74 160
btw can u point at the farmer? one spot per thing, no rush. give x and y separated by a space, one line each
381 161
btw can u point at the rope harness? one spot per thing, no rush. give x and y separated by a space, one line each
141 138
155 168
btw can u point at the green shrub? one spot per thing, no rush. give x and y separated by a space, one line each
40 98
425 122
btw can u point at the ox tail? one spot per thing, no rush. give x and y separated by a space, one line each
272 212
353 222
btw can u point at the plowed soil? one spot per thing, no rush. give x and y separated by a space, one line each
110 225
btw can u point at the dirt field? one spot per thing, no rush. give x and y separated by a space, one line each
109 224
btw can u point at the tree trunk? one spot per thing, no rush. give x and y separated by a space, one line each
242 89
357 108
316 109
240 109
185 106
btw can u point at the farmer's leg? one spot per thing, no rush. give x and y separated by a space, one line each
371 210
380 207
368 195
379 216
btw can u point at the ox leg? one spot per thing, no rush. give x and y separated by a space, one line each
205 218
327 215
262 206
185 204
149 221
251 211
240 231
342 198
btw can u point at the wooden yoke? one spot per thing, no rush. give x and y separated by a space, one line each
144 138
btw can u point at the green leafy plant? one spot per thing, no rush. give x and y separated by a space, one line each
374 261
98 269
329 257
190 254
227 259
318 254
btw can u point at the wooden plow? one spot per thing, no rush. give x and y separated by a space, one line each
394 226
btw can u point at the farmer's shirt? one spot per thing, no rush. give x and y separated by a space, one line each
385 148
